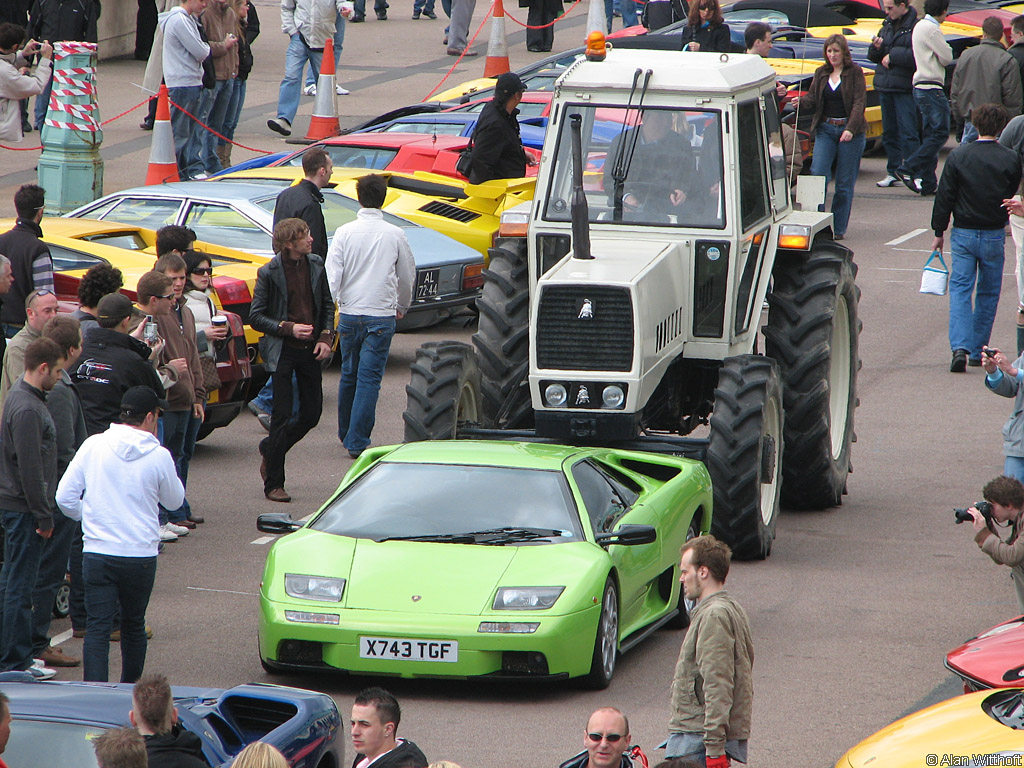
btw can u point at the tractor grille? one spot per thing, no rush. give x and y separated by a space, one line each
438 208
585 328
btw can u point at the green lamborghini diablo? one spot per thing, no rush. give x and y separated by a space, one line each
483 559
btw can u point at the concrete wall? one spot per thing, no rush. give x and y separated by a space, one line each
117 28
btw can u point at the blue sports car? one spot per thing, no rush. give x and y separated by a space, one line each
54 722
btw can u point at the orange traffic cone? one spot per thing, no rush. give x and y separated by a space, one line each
163 166
497 50
324 122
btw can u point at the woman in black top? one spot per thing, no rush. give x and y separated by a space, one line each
706 30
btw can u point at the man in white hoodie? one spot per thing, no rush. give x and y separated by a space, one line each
184 51
17 81
114 485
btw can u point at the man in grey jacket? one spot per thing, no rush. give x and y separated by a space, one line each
28 475
712 690
293 309
13 84
985 74
183 54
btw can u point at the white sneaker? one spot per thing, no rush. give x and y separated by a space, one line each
201 176
39 672
177 530
310 90
280 125
889 181
166 534
341 91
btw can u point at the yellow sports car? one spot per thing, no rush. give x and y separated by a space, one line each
77 244
981 728
469 213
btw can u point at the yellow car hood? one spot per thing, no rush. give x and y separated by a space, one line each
958 729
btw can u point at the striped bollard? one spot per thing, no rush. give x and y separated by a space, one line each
70 166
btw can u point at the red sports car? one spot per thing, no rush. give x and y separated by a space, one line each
993 659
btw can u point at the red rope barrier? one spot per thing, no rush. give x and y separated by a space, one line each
468 46
219 136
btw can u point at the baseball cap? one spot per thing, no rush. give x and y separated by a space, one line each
114 306
140 400
510 82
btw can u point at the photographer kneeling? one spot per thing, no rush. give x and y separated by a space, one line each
1005 497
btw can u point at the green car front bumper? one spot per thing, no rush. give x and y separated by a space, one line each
561 646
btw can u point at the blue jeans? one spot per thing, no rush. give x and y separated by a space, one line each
188 449
53 567
423 5
43 103
846 157
970 133
339 39
628 8
1014 467
899 128
933 106
977 255
23 551
234 110
186 132
364 343
214 110
113 584
359 7
295 59
175 426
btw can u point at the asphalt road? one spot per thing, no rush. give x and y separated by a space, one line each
854 610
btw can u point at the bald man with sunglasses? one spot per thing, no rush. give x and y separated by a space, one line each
606 741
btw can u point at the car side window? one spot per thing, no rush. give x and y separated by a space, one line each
225 226
144 212
67 260
605 505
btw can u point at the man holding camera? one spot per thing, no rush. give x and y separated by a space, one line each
1005 496
1005 378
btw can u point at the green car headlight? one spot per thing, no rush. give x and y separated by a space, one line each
526 598
314 587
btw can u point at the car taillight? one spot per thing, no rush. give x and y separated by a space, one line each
472 276
231 290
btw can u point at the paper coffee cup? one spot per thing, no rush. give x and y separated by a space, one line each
218 320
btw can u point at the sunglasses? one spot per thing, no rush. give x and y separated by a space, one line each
166 296
611 738
202 271
43 292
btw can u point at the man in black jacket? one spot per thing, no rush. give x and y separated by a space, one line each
293 309
375 718
112 362
31 265
57 21
154 715
497 148
977 181
28 472
304 200
893 51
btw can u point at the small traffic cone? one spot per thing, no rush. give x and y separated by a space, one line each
324 122
497 50
163 165
596 19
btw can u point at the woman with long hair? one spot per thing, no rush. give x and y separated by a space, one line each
837 95
706 29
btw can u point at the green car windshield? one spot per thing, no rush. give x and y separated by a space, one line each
433 501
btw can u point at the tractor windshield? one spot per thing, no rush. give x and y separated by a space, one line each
651 166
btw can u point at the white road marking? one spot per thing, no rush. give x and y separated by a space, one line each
225 591
909 236
63 637
262 540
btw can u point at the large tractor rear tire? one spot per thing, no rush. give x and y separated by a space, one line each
502 339
443 392
745 455
812 333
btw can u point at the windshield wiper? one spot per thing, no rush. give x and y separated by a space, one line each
624 155
511 534
447 538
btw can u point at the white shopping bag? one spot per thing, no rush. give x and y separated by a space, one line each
935 275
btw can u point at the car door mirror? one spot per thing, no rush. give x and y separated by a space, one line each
626 536
277 522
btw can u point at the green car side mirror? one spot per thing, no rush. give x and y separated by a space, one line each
277 522
626 536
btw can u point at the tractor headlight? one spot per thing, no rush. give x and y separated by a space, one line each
613 396
555 395
526 598
314 587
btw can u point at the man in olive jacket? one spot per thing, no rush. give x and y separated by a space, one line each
713 687
293 309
